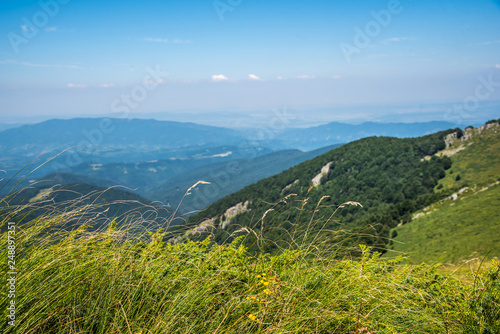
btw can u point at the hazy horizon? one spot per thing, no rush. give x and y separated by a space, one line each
296 118
233 63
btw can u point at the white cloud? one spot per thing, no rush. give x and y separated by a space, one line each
106 85
336 77
254 77
281 78
306 77
50 29
497 66
219 77
70 85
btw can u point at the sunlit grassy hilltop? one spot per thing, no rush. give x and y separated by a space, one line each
465 225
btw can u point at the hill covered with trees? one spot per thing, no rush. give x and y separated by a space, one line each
389 177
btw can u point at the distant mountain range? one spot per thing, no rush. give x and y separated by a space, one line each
116 139
97 133
109 140
161 159
106 140
103 140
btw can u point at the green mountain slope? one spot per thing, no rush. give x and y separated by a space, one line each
464 229
464 225
388 176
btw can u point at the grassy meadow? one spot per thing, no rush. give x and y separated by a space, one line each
465 229
116 280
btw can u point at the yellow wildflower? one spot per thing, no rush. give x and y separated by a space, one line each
253 318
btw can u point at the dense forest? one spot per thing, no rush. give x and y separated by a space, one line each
391 178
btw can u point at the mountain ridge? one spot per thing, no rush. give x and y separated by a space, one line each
388 176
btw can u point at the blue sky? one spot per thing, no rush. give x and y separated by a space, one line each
62 58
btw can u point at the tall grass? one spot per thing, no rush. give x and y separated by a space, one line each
129 280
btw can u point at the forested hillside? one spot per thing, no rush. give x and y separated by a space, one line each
389 177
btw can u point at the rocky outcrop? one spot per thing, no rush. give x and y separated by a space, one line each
290 185
317 179
232 212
